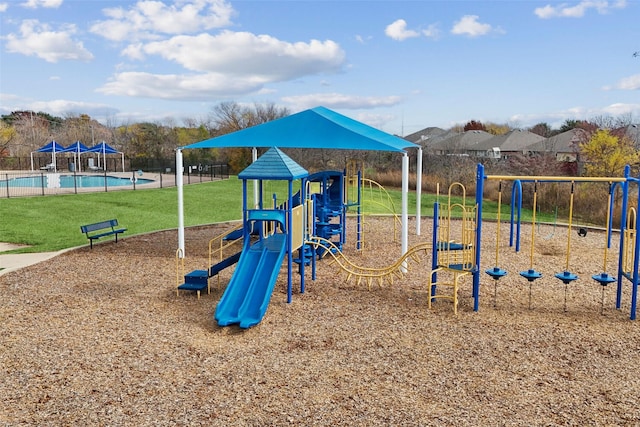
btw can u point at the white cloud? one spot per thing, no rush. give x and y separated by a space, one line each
397 30
337 100
469 26
147 19
627 83
432 31
378 121
557 118
578 10
362 39
39 40
34 4
245 55
620 109
58 107
183 87
4 7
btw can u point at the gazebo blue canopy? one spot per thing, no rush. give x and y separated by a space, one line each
76 148
52 147
104 149
319 128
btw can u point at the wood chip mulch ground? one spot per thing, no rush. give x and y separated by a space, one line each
99 338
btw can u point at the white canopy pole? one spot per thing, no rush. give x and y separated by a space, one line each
418 190
32 161
179 184
254 157
405 214
53 156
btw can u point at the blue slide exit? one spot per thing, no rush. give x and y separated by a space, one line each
249 291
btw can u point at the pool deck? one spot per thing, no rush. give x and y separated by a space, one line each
159 181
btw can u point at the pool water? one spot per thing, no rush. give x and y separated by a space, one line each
67 181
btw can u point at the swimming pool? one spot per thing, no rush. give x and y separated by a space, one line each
72 181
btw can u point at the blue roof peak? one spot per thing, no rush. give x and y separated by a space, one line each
274 164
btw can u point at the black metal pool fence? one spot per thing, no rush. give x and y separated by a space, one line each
54 182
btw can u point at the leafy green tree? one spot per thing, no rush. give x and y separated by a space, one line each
607 155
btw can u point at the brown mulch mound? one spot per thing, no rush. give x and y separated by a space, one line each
99 337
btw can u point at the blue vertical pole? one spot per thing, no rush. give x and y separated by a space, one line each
434 249
359 209
623 222
476 271
636 257
289 243
303 254
516 189
245 225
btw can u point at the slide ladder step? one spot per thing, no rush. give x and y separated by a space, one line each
196 280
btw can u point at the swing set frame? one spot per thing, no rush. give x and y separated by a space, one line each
629 254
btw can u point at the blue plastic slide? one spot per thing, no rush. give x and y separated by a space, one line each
249 291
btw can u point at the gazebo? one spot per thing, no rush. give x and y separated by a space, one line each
52 147
76 148
104 149
319 128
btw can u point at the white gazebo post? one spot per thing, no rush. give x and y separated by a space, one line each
254 157
179 185
405 215
418 191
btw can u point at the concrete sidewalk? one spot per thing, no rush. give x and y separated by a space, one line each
12 262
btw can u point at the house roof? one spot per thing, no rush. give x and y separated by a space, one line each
514 140
275 165
423 136
314 128
466 141
565 142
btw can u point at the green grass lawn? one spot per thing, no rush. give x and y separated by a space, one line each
50 223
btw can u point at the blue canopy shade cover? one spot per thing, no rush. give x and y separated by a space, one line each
318 127
104 149
52 147
76 148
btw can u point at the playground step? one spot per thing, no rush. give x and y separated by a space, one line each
197 280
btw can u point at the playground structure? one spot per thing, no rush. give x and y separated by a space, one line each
311 222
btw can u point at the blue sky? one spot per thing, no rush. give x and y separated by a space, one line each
397 65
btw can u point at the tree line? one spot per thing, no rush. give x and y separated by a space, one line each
603 147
